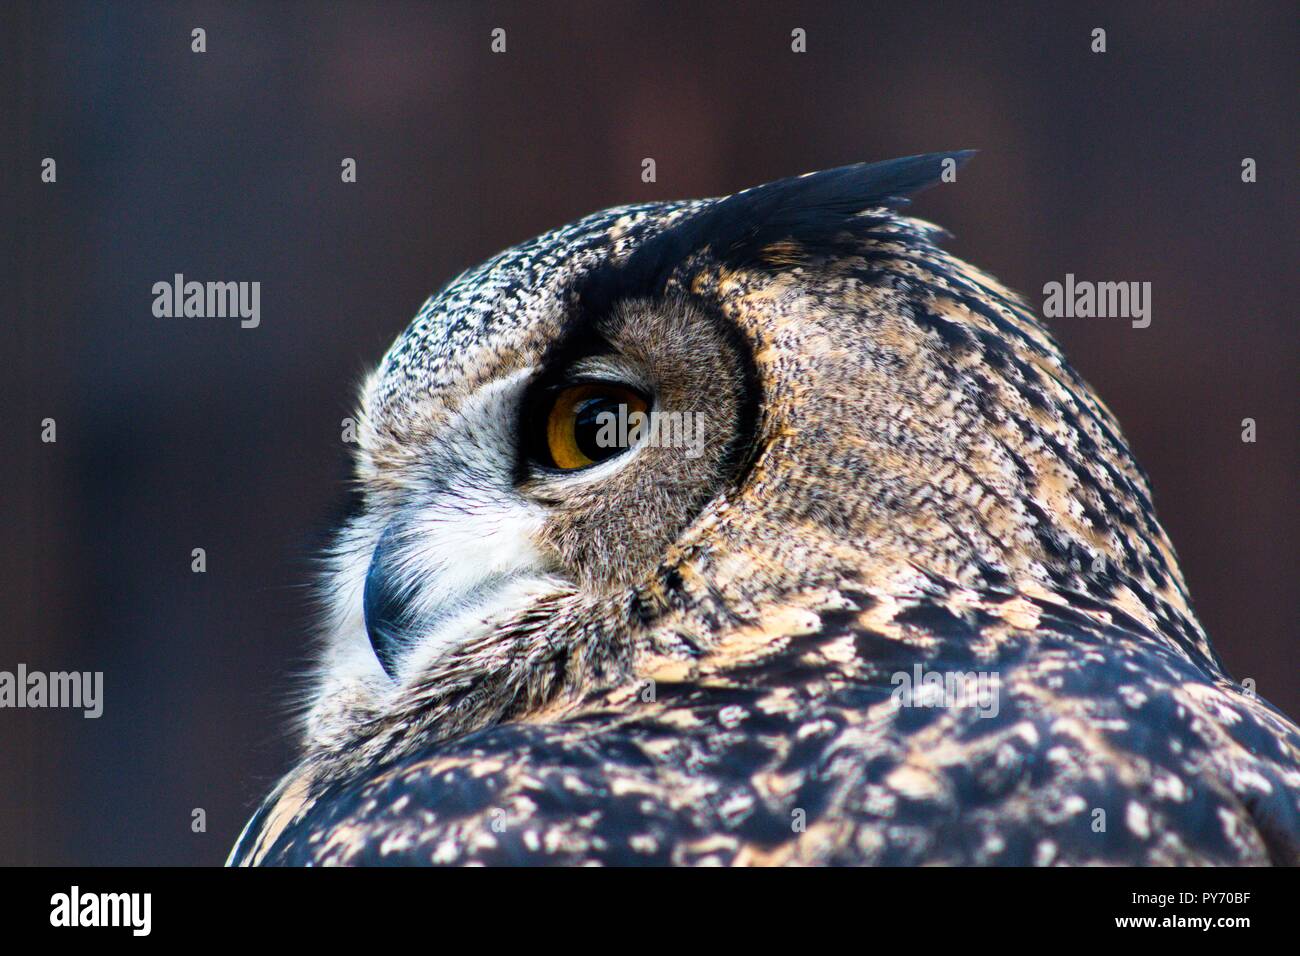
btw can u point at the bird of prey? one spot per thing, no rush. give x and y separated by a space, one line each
760 530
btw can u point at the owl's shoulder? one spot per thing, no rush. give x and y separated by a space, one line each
1066 744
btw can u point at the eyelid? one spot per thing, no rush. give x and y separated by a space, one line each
605 370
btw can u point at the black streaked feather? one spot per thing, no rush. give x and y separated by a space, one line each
806 209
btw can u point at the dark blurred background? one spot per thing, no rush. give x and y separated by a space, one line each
182 433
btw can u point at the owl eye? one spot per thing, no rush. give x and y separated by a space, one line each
588 423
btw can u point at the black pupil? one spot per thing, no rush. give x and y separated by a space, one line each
601 428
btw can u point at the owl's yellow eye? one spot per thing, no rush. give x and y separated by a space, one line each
591 422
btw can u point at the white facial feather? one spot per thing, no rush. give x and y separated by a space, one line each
463 557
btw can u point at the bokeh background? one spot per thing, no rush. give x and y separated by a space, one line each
183 433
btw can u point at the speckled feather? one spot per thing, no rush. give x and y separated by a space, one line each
929 484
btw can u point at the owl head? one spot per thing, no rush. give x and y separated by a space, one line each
648 433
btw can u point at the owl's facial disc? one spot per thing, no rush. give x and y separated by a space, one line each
577 472
636 419
457 547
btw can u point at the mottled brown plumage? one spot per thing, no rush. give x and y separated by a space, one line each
905 478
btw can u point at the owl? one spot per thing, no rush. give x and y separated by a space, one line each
760 530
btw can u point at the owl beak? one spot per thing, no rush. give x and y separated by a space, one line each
437 576
386 603
395 616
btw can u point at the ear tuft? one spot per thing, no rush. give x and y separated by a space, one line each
804 209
